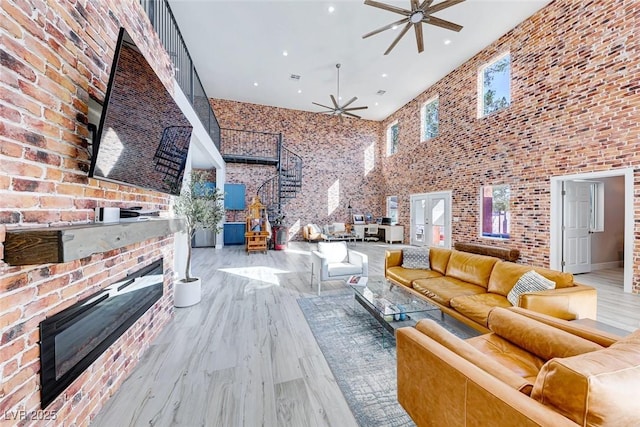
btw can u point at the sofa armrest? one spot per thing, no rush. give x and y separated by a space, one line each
598 336
319 265
438 387
392 258
465 350
360 259
574 302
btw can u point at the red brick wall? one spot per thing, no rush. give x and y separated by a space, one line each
333 154
55 54
575 109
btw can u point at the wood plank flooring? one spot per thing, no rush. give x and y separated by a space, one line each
245 355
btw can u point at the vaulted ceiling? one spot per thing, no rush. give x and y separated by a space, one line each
238 47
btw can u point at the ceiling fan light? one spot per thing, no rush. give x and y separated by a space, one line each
416 17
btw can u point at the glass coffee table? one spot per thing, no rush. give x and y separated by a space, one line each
391 305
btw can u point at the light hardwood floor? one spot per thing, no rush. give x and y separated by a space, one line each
245 355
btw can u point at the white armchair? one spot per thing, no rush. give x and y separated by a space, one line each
333 261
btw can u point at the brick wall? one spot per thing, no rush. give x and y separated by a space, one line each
341 161
575 99
55 54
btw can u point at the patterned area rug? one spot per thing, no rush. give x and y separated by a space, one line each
351 341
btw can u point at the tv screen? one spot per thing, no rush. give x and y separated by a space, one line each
143 137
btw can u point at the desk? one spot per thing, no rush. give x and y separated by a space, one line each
386 233
391 233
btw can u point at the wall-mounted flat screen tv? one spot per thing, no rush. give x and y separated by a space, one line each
143 136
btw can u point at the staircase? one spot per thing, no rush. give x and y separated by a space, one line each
262 148
171 154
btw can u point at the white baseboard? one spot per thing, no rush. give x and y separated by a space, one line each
605 265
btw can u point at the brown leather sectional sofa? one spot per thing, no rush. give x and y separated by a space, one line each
531 370
468 286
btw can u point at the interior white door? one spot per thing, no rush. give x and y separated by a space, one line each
431 219
418 213
576 235
438 213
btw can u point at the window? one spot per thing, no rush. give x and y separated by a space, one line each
429 116
393 137
494 86
392 209
495 215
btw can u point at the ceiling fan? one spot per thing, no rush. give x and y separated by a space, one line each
340 110
420 13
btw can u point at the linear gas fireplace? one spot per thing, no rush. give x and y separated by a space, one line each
72 339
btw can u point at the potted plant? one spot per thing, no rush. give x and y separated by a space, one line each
200 206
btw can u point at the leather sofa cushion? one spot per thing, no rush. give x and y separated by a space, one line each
406 276
443 289
597 388
543 340
477 307
517 360
472 268
505 274
473 355
439 258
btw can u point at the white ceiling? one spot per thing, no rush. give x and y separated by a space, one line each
235 43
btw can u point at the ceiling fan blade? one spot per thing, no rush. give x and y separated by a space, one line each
354 108
402 33
351 115
350 101
323 106
335 104
441 23
419 38
388 7
415 4
386 27
445 4
425 4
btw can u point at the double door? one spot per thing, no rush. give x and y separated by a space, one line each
431 219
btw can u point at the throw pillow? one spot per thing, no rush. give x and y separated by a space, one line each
416 258
531 281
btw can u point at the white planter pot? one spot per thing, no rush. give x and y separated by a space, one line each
186 294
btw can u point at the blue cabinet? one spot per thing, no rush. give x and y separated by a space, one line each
234 233
234 197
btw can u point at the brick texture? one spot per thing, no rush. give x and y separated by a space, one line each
334 166
575 99
55 54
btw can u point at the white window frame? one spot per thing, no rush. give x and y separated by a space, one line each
423 118
389 142
506 234
481 71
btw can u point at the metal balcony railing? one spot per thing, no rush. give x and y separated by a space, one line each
163 21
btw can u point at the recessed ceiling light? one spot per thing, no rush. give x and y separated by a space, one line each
299 90
384 74
395 27
255 83
285 53
331 9
376 104
447 41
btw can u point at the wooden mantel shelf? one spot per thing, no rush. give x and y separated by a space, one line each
28 246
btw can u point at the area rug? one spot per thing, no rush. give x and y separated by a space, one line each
351 341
